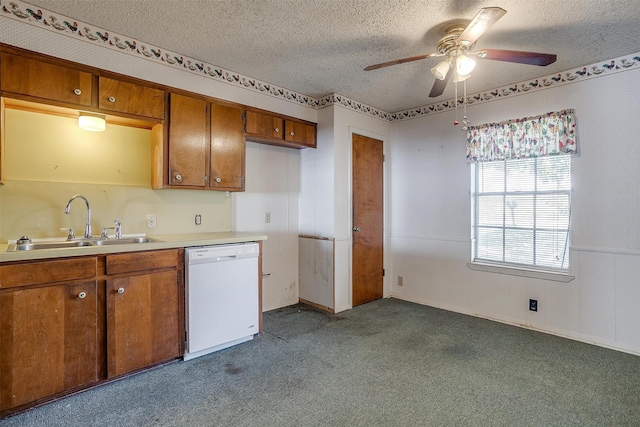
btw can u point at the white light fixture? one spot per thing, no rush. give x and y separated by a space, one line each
440 71
464 65
92 122
458 78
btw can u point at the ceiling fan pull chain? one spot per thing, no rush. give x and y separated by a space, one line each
465 121
455 104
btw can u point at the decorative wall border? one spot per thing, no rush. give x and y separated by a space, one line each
29 14
613 66
24 12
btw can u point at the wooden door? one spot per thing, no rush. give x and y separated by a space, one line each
45 80
49 341
126 97
143 326
227 148
188 141
367 185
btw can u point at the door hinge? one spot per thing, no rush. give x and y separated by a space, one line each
384 158
383 272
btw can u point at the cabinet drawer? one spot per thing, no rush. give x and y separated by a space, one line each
44 80
34 273
140 261
125 97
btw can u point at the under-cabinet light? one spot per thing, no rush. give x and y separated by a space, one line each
92 122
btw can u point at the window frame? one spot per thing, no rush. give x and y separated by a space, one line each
514 268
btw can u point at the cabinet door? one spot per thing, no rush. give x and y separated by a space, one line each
227 148
125 97
142 321
49 341
44 80
188 141
302 133
264 125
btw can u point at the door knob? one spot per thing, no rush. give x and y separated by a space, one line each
356 229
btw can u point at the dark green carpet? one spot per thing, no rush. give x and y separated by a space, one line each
387 363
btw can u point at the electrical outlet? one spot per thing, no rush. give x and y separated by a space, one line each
400 281
267 217
533 304
151 221
198 219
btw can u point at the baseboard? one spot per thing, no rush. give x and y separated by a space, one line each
587 339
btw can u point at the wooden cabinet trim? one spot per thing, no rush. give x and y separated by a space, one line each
49 271
141 261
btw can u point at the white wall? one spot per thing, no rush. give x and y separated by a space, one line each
326 208
272 186
431 218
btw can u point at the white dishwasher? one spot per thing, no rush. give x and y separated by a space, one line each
221 285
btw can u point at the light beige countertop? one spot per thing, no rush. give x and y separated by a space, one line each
166 241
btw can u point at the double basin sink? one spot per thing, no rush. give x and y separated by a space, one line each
32 246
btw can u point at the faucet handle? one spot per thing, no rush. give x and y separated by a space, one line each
118 227
104 234
71 235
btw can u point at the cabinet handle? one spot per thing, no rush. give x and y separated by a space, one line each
276 130
179 178
291 133
120 290
82 295
356 229
218 180
112 99
77 91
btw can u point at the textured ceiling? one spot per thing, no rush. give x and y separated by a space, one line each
318 47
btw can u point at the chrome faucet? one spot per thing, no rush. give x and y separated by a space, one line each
87 228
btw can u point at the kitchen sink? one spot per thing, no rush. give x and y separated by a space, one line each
123 241
33 246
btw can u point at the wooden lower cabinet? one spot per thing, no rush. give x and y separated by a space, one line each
70 323
49 341
143 327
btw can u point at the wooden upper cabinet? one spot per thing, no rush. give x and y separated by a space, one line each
264 125
131 98
301 133
270 128
227 148
41 79
188 141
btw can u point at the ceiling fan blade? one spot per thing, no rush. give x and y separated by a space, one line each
479 24
400 61
520 57
439 86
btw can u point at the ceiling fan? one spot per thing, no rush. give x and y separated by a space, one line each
455 47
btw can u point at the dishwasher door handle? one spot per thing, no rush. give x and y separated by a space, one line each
226 258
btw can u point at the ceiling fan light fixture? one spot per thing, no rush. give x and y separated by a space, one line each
460 78
441 69
464 65
92 122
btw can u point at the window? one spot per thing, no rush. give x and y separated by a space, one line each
521 191
522 212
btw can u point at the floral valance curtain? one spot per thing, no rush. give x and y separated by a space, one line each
545 135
